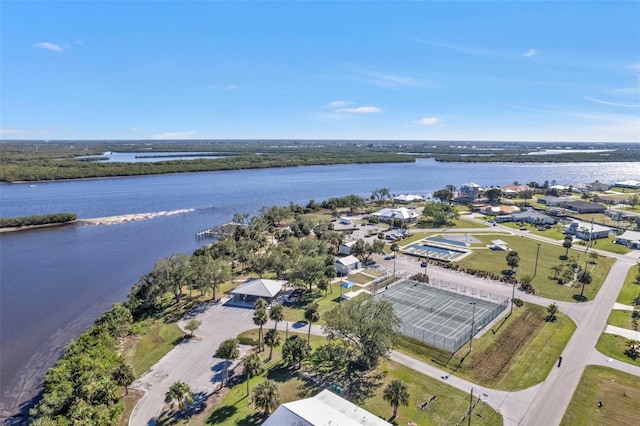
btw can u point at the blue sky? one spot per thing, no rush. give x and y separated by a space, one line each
531 71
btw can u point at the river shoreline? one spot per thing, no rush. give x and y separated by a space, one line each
32 227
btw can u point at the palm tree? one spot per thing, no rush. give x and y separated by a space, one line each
513 259
123 376
312 315
260 319
396 393
568 241
276 314
556 269
181 392
252 367
260 303
272 339
265 396
228 350
295 350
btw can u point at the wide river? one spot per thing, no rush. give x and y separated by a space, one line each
55 282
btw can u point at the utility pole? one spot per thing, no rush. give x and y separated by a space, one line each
513 291
535 270
473 321
470 407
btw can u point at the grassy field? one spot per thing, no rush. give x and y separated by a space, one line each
614 346
630 290
153 345
620 319
516 353
549 255
233 407
618 391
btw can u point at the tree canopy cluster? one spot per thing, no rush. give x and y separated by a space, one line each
16 222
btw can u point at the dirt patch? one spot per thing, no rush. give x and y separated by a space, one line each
130 401
492 364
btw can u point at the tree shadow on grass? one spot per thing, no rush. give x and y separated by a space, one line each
252 420
222 414
280 373
579 298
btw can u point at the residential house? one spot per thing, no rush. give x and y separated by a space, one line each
513 190
469 192
587 231
585 207
551 201
630 239
632 184
324 409
598 186
498 210
533 217
389 214
408 198
344 265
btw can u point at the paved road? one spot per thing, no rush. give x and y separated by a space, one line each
191 362
543 404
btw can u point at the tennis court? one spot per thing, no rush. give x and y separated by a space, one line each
438 317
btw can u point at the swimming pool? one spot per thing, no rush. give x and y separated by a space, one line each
434 252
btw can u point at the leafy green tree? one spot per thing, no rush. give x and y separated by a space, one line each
443 195
369 325
493 194
364 250
396 393
266 396
272 339
295 350
308 270
252 367
276 314
181 392
567 243
513 259
311 315
192 326
526 195
556 269
228 350
437 215
380 194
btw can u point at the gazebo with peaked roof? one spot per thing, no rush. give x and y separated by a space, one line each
251 290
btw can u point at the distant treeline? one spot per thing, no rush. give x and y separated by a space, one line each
57 160
16 222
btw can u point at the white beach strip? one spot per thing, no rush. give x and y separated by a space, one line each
113 220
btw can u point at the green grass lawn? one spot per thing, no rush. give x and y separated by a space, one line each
359 278
549 255
235 408
630 290
519 354
155 343
618 391
606 244
467 223
614 346
620 319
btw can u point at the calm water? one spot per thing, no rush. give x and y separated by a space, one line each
54 282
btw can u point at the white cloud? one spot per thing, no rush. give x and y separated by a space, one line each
224 87
338 104
49 46
460 48
174 135
530 53
600 101
360 110
385 80
429 121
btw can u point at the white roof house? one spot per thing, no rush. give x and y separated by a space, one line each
260 288
408 198
629 239
633 184
346 264
326 408
402 213
345 248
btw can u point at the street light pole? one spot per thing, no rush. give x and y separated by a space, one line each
473 321
535 270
